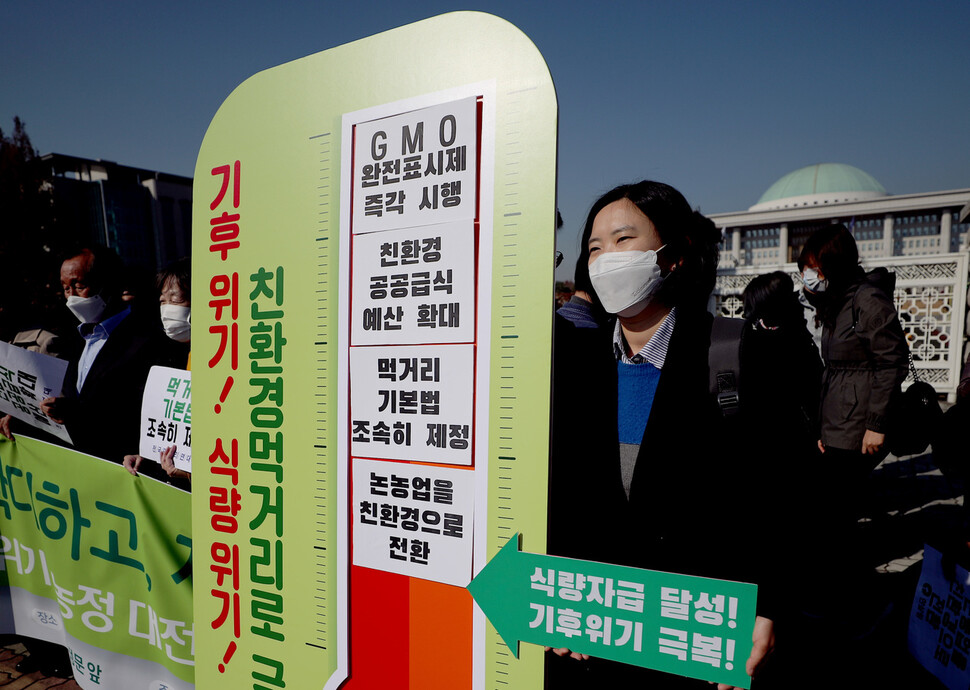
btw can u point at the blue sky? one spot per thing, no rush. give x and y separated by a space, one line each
717 98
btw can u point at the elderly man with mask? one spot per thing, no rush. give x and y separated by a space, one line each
102 392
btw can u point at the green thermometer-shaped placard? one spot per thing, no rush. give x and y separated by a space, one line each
372 262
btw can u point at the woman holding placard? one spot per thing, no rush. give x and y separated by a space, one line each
640 473
175 310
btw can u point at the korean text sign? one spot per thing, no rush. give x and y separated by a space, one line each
100 561
939 623
682 624
406 154
166 416
26 378
416 168
412 352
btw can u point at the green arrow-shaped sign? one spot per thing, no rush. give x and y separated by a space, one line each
691 626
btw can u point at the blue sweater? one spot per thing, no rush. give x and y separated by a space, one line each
636 388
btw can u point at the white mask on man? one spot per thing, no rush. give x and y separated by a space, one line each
625 282
177 322
86 309
812 282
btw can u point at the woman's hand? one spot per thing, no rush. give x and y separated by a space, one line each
132 463
872 442
764 642
5 427
168 463
563 651
52 408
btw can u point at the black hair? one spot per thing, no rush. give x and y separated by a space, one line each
179 271
581 277
771 298
106 271
691 240
834 251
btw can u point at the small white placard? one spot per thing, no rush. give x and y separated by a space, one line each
414 520
412 403
414 286
26 378
417 168
166 416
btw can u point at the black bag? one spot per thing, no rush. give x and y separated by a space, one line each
724 360
952 441
914 417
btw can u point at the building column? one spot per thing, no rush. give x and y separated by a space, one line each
736 246
887 235
784 251
946 230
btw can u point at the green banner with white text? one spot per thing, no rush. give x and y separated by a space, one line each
682 624
99 561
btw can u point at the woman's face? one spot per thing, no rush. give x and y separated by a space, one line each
172 294
620 227
810 262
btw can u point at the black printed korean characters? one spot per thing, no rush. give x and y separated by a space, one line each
939 625
26 378
414 286
413 310
416 168
414 520
166 416
412 403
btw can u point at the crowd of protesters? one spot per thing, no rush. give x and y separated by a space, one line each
112 326
654 465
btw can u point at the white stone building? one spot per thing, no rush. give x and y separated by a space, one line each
922 237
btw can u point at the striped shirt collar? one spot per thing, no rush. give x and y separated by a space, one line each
654 351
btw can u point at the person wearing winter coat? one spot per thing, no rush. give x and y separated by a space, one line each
866 359
863 347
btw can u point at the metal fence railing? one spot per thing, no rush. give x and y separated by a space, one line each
930 295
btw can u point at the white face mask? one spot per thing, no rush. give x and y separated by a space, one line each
812 282
86 309
177 322
625 282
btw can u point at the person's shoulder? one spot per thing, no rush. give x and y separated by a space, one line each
584 350
876 291
566 331
879 283
692 324
140 323
141 337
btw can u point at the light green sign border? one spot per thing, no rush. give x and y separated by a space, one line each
283 125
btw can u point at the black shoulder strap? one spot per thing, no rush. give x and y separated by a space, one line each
724 360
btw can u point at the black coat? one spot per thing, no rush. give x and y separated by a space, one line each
103 419
692 502
691 494
866 359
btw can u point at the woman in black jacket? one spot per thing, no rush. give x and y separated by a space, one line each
866 358
863 347
641 471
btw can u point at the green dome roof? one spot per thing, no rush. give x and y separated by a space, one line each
821 183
